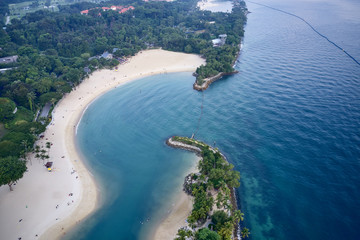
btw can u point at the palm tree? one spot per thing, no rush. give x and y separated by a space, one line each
183 234
226 198
42 155
245 232
226 231
48 146
219 199
33 130
37 148
237 216
31 96
222 185
53 101
25 143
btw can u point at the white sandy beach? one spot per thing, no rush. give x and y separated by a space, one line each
179 213
40 206
176 219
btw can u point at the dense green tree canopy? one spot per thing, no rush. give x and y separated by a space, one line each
183 234
216 175
7 108
206 234
11 170
54 48
219 218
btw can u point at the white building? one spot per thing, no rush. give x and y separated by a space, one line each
218 42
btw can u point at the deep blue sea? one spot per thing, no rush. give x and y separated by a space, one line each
289 122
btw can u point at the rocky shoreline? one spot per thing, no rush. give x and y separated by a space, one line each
210 80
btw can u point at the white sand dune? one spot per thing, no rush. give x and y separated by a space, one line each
40 206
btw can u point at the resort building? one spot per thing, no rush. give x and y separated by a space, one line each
218 42
121 9
106 55
87 70
85 12
9 59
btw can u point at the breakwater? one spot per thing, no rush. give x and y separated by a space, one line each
199 147
192 145
177 144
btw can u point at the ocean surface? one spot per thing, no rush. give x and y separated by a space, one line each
289 122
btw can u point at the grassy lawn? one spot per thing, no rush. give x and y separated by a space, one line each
23 114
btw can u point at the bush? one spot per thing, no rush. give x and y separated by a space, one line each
7 108
207 234
8 148
219 218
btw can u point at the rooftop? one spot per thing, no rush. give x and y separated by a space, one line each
9 59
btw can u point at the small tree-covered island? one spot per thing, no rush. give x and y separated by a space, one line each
46 54
215 214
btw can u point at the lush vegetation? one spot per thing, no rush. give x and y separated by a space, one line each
11 170
19 8
55 48
56 52
210 188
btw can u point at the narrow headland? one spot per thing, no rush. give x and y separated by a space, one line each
212 190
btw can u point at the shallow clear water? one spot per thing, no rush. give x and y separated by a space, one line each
289 122
122 135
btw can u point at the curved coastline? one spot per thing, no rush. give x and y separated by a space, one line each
69 194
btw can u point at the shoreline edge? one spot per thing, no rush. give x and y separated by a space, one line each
57 201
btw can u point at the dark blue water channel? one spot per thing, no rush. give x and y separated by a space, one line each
289 122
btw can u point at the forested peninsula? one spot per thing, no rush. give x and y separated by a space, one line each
45 54
215 214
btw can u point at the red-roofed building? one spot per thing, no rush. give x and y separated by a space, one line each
127 9
85 12
116 8
121 8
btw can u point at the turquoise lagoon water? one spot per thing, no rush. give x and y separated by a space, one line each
289 122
